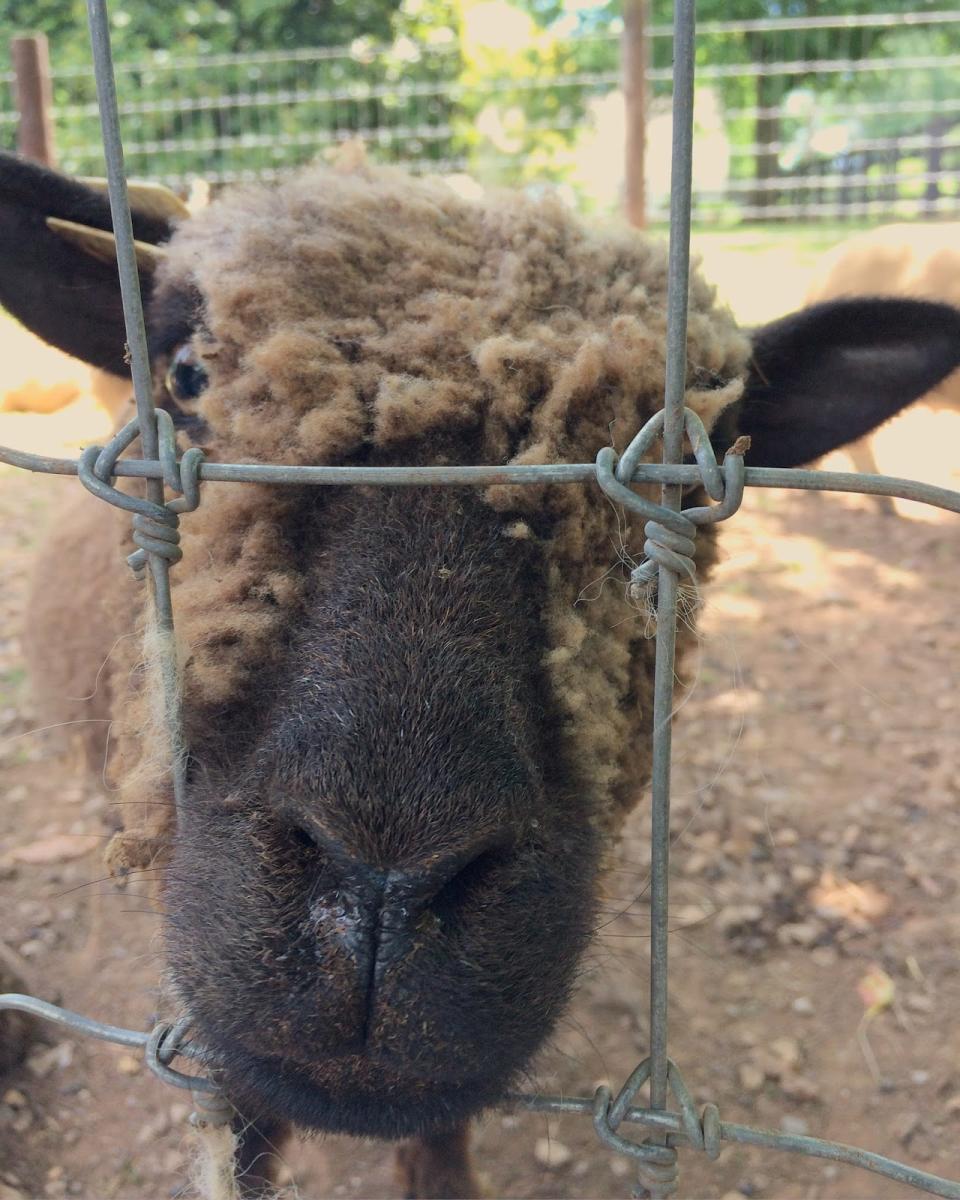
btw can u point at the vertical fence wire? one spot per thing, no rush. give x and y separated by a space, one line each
664 1125
140 369
668 582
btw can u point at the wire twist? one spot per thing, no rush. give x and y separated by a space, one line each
656 1165
671 536
155 526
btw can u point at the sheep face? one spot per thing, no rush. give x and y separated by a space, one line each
383 881
415 718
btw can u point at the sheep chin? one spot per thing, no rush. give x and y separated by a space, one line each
356 1095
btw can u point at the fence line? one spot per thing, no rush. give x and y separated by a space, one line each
656 1156
782 105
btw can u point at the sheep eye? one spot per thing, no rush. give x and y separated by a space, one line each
186 377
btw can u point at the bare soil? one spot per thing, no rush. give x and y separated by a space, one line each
816 825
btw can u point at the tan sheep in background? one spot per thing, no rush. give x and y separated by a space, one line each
922 261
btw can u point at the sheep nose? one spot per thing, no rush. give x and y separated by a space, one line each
377 914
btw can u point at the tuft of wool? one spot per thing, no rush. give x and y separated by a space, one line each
213 1162
359 313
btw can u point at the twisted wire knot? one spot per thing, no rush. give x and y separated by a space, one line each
162 1046
671 536
656 1165
155 526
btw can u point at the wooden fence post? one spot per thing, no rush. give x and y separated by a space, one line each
633 58
30 56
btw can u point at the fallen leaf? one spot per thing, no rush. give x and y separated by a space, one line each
856 903
877 990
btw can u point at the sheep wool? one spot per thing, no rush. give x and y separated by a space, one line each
360 312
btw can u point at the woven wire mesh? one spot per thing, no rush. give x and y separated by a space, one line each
795 117
670 1120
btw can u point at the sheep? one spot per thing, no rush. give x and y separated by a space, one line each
416 718
895 260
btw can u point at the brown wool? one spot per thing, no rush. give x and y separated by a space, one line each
365 312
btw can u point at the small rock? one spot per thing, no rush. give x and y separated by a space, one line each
619 1167
22 1123
552 1154
919 1077
15 1098
128 1065
918 1002
952 1106
696 863
799 1087
57 1057
751 1077
734 916
153 1130
60 848
798 933
905 1126
178 1113
35 912
786 1050
803 1006
794 1125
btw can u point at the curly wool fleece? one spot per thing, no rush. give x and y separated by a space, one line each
365 311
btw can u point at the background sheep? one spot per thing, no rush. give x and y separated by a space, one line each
895 260
415 718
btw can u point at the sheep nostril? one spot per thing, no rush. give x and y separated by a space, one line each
468 884
304 838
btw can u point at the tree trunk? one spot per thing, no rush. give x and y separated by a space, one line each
34 91
633 51
766 136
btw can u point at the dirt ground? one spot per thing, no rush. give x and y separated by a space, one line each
816 825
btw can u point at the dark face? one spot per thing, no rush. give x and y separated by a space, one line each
381 889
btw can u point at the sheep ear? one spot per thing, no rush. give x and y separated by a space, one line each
58 273
825 376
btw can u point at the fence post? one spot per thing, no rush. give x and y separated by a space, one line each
30 56
633 56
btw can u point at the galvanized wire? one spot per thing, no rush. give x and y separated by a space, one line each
146 425
670 545
685 1128
786 478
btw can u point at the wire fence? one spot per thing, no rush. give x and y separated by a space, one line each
670 1120
842 117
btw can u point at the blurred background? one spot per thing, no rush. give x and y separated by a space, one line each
838 110
814 119
816 814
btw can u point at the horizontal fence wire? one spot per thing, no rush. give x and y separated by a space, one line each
667 1123
789 478
796 118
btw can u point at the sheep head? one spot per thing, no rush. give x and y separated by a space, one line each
416 718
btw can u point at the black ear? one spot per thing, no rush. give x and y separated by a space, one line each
56 289
829 374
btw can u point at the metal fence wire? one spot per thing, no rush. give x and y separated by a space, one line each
670 1121
837 116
